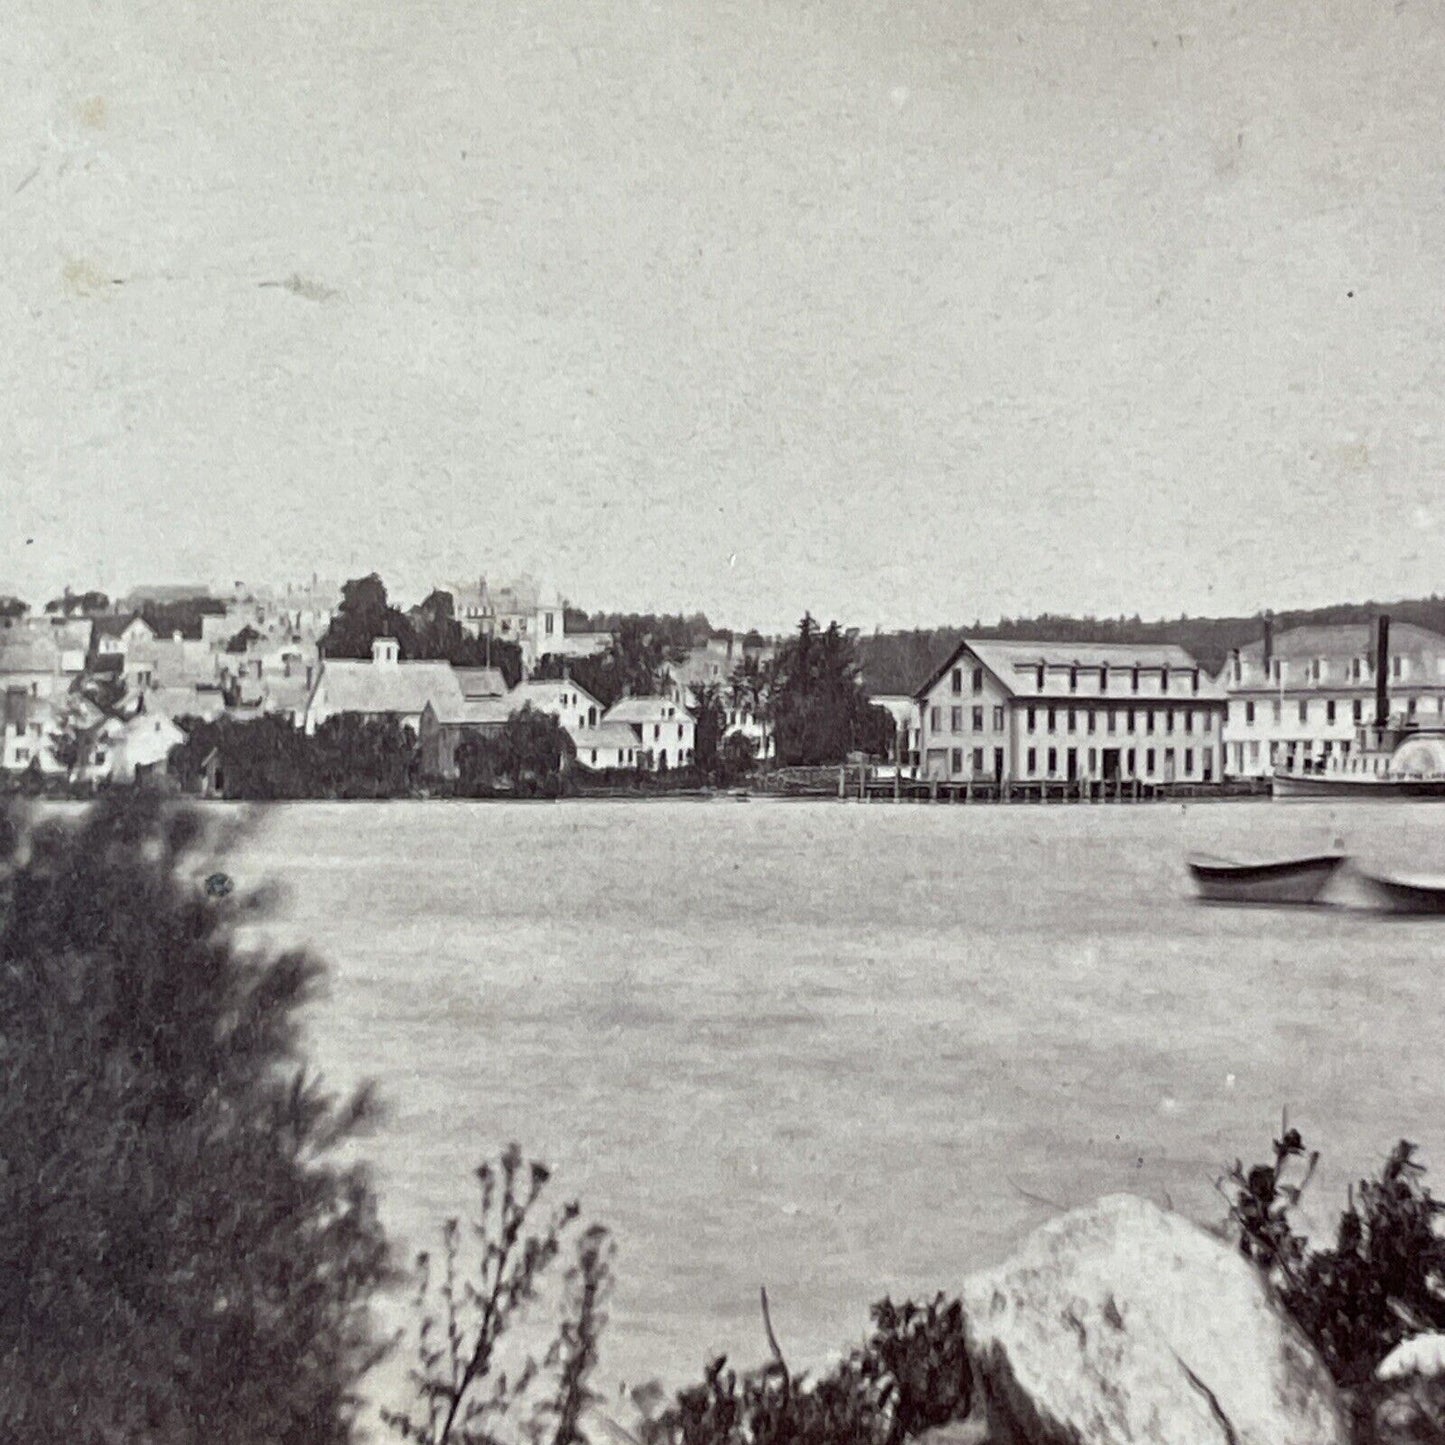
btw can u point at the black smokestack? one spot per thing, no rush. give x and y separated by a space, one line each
1382 671
1268 644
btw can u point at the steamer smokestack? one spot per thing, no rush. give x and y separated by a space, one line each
1268 644
1382 671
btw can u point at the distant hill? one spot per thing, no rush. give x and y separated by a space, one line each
901 662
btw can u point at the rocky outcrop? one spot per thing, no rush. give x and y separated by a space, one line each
1123 1323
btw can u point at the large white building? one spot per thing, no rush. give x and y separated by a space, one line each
1298 699
664 730
1039 711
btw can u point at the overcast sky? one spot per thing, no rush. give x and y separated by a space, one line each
906 313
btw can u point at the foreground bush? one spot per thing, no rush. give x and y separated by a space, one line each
182 1259
1381 1282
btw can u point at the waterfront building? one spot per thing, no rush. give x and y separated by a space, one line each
609 745
664 730
1297 700
1034 711
384 687
447 722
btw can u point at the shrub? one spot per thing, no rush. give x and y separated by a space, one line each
1381 1281
181 1258
466 1323
911 1375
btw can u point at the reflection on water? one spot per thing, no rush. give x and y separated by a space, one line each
846 1051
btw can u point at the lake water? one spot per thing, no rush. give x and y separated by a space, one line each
845 1050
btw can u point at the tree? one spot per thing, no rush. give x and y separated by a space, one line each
69 603
184 1257
362 616
818 707
528 755
710 718
72 739
737 758
13 607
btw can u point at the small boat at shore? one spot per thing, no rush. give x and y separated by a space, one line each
1406 895
1280 880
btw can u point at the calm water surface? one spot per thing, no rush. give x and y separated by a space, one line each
835 1049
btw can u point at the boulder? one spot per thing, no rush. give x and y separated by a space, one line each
1123 1322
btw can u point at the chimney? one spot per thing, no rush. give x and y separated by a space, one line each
1382 671
1268 644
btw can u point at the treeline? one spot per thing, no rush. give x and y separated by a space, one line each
901 662
269 759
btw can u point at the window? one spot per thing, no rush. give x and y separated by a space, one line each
1357 710
1276 707
1315 670
1113 720
1164 679
1073 720
1033 761
1330 710
1053 761
1410 709
958 679
1254 750
1033 719
1249 714
1209 722
1131 719
1131 756
1189 719
935 719
998 719
1188 761
1354 669
679 729
551 620
1168 719
956 720
21 754
1194 681
1093 721
1093 761
978 719
1397 666
1104 677
1053 719
1304 710
656 731
1073 679
978 761
1134 680
594 750
1149 721
1149 760
978 679
957 761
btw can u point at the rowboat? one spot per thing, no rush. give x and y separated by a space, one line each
1282 880
1407 895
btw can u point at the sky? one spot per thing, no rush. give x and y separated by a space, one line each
905 313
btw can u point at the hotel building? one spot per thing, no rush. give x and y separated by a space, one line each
1039 711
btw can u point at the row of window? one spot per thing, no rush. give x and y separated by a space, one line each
1040 672
1317 669
1162 719
1331 706
1128 759
935 719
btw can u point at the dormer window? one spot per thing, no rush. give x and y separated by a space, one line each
1104 677
1164 679
1315 670
1134 679
1039 682
1194 681
1073 679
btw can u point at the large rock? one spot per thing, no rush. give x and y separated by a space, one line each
1124 1323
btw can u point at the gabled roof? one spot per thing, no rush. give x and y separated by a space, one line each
541 692
647 710
473 711
374 688
1348 640
113 624
604 735
1010 661
481 681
